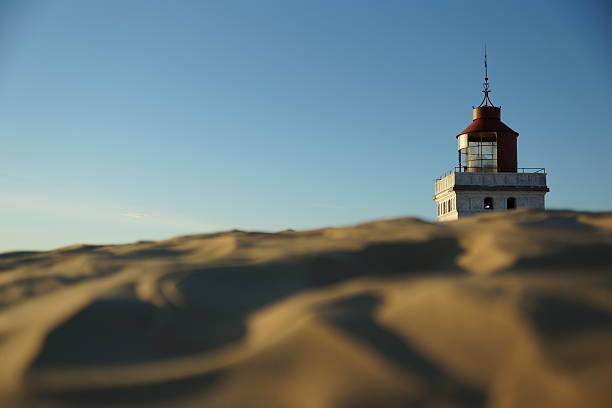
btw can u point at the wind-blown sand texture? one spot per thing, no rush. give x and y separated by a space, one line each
504 310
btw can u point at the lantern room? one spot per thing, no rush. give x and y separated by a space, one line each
487 145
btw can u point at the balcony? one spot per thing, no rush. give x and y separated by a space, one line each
525 179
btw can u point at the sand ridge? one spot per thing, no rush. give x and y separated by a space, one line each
504 310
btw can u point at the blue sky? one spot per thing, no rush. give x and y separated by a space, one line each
145 119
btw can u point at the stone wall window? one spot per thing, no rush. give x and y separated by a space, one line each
488 203
511 203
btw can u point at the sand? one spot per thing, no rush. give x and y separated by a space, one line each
504 310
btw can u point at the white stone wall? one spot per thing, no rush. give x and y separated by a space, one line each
468 202
500 179
490 179
448 197
444 183
471 203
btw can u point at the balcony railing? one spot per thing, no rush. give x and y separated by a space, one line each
464 169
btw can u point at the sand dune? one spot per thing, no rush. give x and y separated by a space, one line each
504 310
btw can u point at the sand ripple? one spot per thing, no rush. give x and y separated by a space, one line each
505 310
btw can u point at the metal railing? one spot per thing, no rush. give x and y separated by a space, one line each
464 169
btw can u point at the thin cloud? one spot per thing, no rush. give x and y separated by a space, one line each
97 210
136 216
16 176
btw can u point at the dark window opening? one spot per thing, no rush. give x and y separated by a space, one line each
511 203
488 203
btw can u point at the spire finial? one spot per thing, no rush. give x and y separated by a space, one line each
485 61
486 101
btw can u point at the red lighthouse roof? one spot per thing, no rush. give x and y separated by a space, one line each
487 119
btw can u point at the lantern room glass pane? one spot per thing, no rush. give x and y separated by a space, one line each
488 148
480 154
489 163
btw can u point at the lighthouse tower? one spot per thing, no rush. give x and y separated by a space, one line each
487 177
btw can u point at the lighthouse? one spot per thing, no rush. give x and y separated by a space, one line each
487 177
